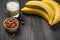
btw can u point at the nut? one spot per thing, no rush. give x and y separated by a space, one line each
13 35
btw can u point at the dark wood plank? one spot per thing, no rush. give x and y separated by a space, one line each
27 32
38 29
47 31
4 34
0 20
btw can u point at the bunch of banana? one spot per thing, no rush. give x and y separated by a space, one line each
38 0
55 7
48 9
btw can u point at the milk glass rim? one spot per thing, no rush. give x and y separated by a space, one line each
12 1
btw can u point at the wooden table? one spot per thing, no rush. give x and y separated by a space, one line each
35 27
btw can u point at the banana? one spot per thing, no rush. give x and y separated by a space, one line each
56 9
47 0
27 10
35 0
40 0
41 4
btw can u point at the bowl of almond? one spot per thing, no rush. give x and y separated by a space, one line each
11 24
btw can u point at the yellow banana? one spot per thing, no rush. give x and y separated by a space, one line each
41 4
27 10
35 0
40 0
47 0
56 9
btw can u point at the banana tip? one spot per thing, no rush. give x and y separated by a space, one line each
51 23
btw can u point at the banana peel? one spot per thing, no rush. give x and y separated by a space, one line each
55 7
35 0
40 0
47 0
27 10
41 4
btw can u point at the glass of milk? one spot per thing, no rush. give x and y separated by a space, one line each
13 8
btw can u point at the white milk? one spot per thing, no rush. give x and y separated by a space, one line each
13 8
